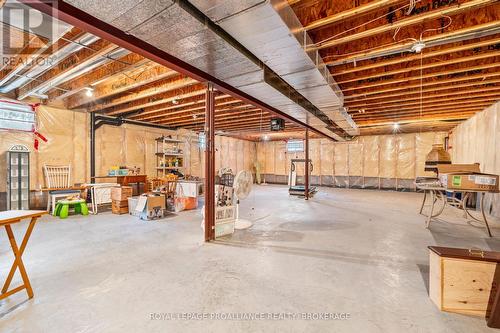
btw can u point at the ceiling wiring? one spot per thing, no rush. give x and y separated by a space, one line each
368 22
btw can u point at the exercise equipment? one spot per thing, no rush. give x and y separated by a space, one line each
299 189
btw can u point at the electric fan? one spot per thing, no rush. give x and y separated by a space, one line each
242 187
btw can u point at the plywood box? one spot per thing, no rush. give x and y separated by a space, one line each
463 281
121 193
458 168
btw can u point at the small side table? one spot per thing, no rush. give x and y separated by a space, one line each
62 208
6 219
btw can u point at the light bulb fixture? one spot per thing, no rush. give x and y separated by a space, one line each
265 137
175 101
89 92
418 47
395 126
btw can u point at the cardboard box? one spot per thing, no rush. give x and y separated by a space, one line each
151 206
470 181
121 193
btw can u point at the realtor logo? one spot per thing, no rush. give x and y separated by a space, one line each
25 29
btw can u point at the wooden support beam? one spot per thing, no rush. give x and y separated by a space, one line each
236 123
71 64
476 57
425 84
425 76
491 85
404 46
230 117
151 79
192 118
224 102
416 114
172 83
407 57
417 110
346 14
417 19
154 100
405 120
437 101
97 75
226 126
193 102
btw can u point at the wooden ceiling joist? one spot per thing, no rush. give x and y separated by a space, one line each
236 117
196 108
415 94
419 68
425 76
97 75
412 20
182 116
153 91
71 64
359 10
151 80
443 98
425 84
187 104
404 46
159 99
418 110
407 57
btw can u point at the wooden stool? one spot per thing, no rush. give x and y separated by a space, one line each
62 208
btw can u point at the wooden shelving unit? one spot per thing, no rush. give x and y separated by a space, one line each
169 155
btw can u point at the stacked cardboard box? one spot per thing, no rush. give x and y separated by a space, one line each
119 198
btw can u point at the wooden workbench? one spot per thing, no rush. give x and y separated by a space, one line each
6 219
129 179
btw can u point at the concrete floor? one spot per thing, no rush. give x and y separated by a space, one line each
346 251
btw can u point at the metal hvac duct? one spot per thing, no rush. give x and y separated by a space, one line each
182 30
273 33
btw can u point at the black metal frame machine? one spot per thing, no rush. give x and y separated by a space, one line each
299 189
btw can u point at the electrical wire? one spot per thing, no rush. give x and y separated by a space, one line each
365 23
437 29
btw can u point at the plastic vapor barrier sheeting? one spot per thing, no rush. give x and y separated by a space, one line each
477 140
384 161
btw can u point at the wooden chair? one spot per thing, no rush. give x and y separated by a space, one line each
58 181
170 189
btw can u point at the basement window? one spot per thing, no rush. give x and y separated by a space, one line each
293 146
16 116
